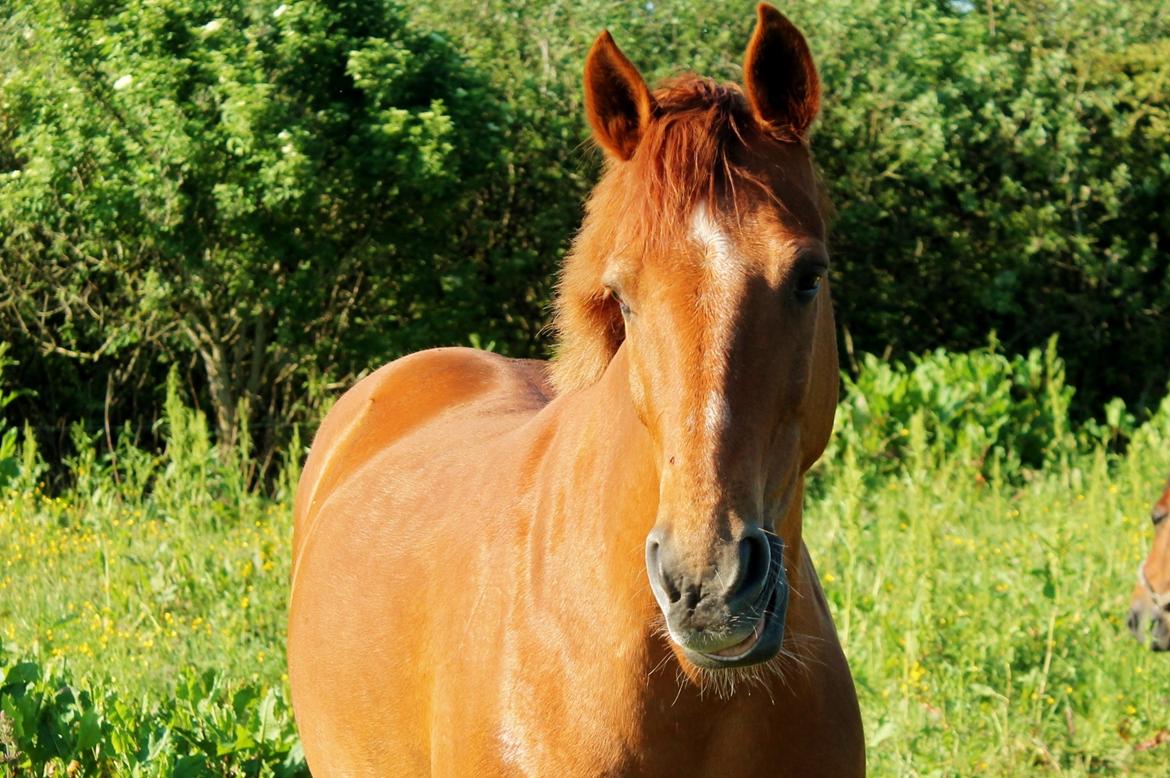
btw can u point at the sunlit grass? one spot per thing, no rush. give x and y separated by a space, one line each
121 592
985 623
142 613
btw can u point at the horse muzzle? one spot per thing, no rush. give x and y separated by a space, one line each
1149 615
1150 627
727 610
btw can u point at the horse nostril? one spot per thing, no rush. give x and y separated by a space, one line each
755 561
660 576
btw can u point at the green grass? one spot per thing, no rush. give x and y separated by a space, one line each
981 607
985 624
157 589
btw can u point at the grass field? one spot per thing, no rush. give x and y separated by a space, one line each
985 624
982 611
142 616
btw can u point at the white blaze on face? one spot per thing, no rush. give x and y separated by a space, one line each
724 271
720 253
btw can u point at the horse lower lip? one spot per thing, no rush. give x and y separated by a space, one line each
745 646
742 647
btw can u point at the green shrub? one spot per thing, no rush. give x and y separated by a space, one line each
967 407
142 608
204 183
206 727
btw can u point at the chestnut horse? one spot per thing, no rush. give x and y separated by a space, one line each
595 566
1150 602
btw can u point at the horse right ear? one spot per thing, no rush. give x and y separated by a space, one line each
617 101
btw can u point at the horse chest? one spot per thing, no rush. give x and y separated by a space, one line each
631 712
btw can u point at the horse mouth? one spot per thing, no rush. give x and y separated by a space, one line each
741 648
760 645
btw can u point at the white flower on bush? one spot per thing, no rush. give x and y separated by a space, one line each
280 11
212 26
124 81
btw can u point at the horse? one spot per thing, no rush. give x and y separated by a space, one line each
1150 601
595 565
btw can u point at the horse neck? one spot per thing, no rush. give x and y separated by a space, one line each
605 471
594 497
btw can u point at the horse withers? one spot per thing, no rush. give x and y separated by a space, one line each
1149 608
596 566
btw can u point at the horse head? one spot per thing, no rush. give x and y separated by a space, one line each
703 258
1150 602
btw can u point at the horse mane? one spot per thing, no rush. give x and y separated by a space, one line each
692 151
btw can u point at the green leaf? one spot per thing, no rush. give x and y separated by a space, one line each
192 766
89 732
22 673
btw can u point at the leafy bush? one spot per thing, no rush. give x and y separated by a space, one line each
8 453
207 727
966 406
142 609
996 169
207 183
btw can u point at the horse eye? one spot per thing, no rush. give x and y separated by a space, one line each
1159 515
808 284
625 309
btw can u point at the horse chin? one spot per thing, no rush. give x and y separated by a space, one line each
760 645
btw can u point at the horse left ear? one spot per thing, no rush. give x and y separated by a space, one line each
617 101
779 75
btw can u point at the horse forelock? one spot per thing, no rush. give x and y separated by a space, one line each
692 155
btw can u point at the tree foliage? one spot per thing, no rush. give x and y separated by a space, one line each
276 192
275 196
992 174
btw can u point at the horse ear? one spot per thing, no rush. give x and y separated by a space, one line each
617 102
779 75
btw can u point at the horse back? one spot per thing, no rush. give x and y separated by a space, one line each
396 400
